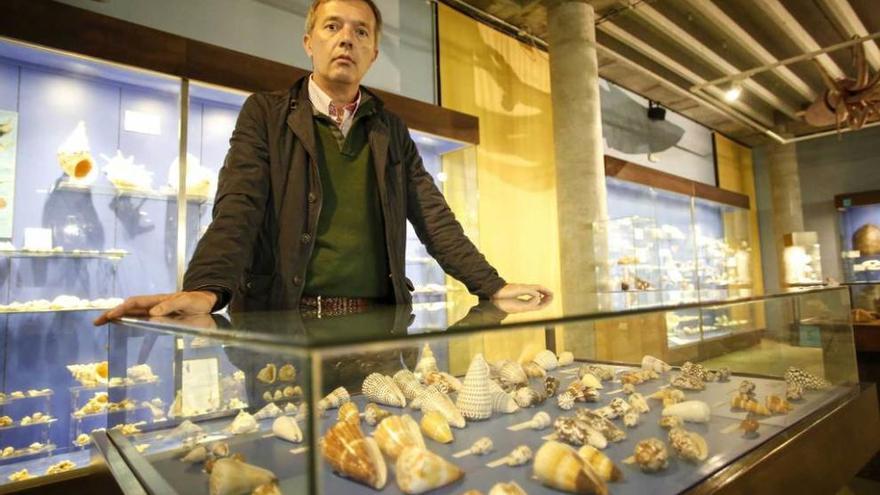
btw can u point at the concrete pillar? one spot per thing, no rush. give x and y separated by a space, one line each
580 166
785 190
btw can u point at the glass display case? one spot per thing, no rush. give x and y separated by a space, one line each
859 217
271 398
802 260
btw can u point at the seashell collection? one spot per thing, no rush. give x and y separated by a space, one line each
382 389
419 470
692 411
373 414
395 433
600 463
475 399
604 373
650 454
688 445
435 427
687 382
805 379
559 466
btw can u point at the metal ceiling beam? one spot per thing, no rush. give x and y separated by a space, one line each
654 54
738 35
685 39
790 26
844 14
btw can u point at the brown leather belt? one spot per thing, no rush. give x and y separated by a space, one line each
334 306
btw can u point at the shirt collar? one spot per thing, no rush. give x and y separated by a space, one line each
322 102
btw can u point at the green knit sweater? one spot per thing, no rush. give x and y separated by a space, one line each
349 258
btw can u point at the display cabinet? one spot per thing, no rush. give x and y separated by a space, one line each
263 396
859 217
802 260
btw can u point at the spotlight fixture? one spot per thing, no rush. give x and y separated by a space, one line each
655 111
733 93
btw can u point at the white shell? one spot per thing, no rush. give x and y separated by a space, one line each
243 423
382 389
631 418
638 402
590 380
694 411
286 428
427 362
475 399
565 358
268 374
652 363
334 399
512 373
565 401
407 382
419 471
270 410
540 421
232 477
502 401
433 399
546 359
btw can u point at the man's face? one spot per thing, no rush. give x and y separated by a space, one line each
342 44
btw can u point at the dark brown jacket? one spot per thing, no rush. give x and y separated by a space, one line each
258 245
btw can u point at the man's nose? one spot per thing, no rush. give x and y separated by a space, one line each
346 37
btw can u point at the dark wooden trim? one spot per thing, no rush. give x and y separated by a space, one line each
867 336
639 174
63 27
857 199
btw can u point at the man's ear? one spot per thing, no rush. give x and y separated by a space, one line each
307 44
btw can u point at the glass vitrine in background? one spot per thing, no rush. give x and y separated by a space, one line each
859 224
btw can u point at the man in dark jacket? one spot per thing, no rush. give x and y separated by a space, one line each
315 192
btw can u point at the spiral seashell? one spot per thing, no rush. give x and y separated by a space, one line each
693 411
695 370
668 396
270 410
519 456
565 358
604 426
577 432
287 373
582 393
502 401
746 387
427 363
373 414
546 359
349 412
805 379
631 418
600 463
510 488
688 445
433 399
512 373
407 382
354 456
436 428
243 423
534 370
744 402
794 391
335 398
482 446
436 379
540 421
565 401
527 397
268 374
628 388
419 470
652 363
638 402
749 425
719 375
286 428
382 389
231 477
590 380
551 386
650 454
475 399
777 404
558 466
603 373
687 382
669 422
395 433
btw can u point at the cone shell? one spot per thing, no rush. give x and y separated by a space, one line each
427 362
334 399
688 445
435 427
657 365
267 374
419 470
435 400
693 411
565 358
349 412
287 373
589 380
546 359
558 466
475 399
512 373
382 389
396 432
354 456
373 414
407 382
286 428
600 463
232 477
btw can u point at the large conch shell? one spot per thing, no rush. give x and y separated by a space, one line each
233 477
427 362
475 399
268 374
354 456
434 425
286 428
382 389
333 399
558 466
74 154
546 359
694 411
433 399
600 463
419 470
407 382
396 432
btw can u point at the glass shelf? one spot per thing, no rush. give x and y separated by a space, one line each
162 194
104 386
18 424
23 253
10 400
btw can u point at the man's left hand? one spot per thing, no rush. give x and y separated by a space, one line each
523 291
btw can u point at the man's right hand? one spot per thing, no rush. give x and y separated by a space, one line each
186 303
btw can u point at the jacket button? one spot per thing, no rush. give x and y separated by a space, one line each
312 197
297 280
305 238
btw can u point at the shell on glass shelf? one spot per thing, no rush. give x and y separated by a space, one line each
688 445
652 363
565 358
502 401
353 455
335 398
396 432
243 423
287 373
631 418
519 455
551 386
444 381
268 374
509 488
694 369
581 392
382 389
719 375
546 359
534 370
232 477
373 414
420 470
650 454
427 362
638 402
590 380
746 387
794 391
603 373
540 421
565 401
528 397
866 240
558 466
806 379
668 396
349 412
687 382
600 463
286 428
692 411
435 427
746 403
512 373
408 384
475 399
197 454
270 410
603 425
432 399
577 432
777 404
669 422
